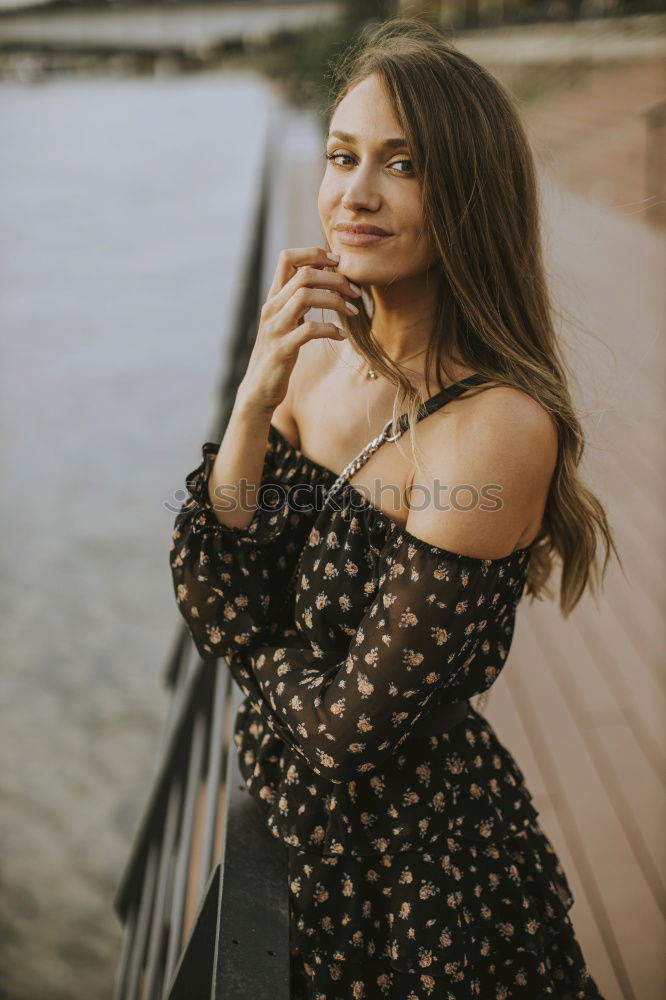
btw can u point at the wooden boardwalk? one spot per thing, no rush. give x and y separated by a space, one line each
581 702
602 138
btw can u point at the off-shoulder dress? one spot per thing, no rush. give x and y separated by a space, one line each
417 866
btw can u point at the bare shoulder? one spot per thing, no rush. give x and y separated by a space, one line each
507 423
491 474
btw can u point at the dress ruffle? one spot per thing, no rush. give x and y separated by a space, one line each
229 581
400 926
283 469
464 783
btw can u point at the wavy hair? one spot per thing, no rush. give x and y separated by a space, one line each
494 313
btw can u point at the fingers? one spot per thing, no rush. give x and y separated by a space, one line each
311 330
306 298
291 259
307 280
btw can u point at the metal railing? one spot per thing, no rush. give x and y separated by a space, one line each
203 857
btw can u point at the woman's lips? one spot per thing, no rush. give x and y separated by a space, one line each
359 239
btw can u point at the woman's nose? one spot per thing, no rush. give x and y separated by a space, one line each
359 195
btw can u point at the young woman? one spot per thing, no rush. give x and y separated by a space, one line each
360 604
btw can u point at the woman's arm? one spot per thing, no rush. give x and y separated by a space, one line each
346 714
229 582
230 553
237 471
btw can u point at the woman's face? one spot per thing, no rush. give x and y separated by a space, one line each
370 181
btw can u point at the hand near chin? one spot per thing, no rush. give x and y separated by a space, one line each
304 279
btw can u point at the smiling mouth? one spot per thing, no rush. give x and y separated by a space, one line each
360 237
360 227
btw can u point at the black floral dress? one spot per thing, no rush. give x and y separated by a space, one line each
417 866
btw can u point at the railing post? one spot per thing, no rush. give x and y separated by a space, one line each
185 843
132 987
159 929
216 753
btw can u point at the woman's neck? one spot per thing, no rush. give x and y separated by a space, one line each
404 315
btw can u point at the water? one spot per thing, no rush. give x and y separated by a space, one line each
124 215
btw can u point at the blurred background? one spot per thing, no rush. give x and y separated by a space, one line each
138 140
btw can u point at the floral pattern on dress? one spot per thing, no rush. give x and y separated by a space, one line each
417 867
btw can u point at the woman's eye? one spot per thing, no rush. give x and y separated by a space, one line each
409 162
334 157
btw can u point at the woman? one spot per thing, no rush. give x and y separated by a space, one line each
360 615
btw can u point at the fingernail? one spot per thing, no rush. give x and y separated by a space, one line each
350 305
355 287
333 256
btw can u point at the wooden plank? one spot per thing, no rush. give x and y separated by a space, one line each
635 800
528 704
604 687
507 720
641 699
640 798
645 627
623 495
624 908
623 464
639 555
552 628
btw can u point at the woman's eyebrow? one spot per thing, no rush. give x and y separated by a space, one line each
347 137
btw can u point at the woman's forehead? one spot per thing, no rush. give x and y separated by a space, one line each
365 112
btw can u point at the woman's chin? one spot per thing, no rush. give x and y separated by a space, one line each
360 271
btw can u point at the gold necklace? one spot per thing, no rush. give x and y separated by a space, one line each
371 373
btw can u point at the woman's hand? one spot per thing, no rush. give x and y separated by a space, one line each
300 284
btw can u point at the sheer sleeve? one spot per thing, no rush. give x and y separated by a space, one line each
346 714
229 581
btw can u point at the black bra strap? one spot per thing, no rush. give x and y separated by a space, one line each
441 398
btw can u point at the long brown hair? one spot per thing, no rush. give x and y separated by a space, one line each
494 315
